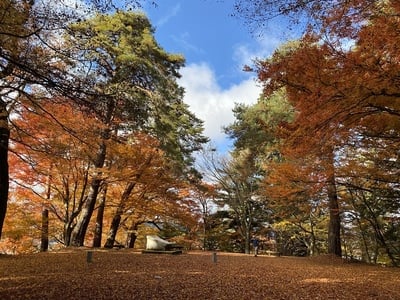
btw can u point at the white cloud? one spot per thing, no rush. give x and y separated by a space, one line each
210 102
245 54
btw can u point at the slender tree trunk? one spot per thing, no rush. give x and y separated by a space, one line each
131 239
67 233
44 245
380 238
248 221
117 217
98 230
120 210
4 176
205 237
313 239
246 230
112 233
365 255
83 220
79 231
247 241
334 241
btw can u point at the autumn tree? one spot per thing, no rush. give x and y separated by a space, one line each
29 50
52 161
367 183
149 193
255 132
336 80
140 168
204 194
340 16
11 48
149 99
138 82
53 167
236 179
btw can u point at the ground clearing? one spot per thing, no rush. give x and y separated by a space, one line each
126 274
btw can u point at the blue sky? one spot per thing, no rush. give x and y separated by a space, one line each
216 47
203 31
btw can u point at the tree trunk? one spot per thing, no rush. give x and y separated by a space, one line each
380 237
113 229
79 231
44 245
98 230
313 239
334 239
334 242
117 217
131 239
4 176
67 233
248 224
247 242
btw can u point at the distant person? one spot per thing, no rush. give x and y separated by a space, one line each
256 244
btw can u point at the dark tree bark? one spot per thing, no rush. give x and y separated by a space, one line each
116 221
334 239
4 177
112 233
79 231
44 245
98 230
131 239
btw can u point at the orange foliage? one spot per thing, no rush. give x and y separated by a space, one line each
337 90
334 88
51 164
343 84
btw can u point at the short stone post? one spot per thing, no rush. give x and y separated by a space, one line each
214 257
89 256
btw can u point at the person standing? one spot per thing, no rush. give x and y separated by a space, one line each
256 244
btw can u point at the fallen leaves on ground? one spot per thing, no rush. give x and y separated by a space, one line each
127 274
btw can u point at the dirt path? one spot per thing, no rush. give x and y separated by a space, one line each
126 274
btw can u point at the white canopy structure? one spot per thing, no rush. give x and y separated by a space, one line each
154 242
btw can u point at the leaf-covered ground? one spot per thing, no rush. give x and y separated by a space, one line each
126 274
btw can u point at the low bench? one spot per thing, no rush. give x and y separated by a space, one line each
118 246
173 252
171 247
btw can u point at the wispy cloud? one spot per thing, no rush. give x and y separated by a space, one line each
183 41
169 15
